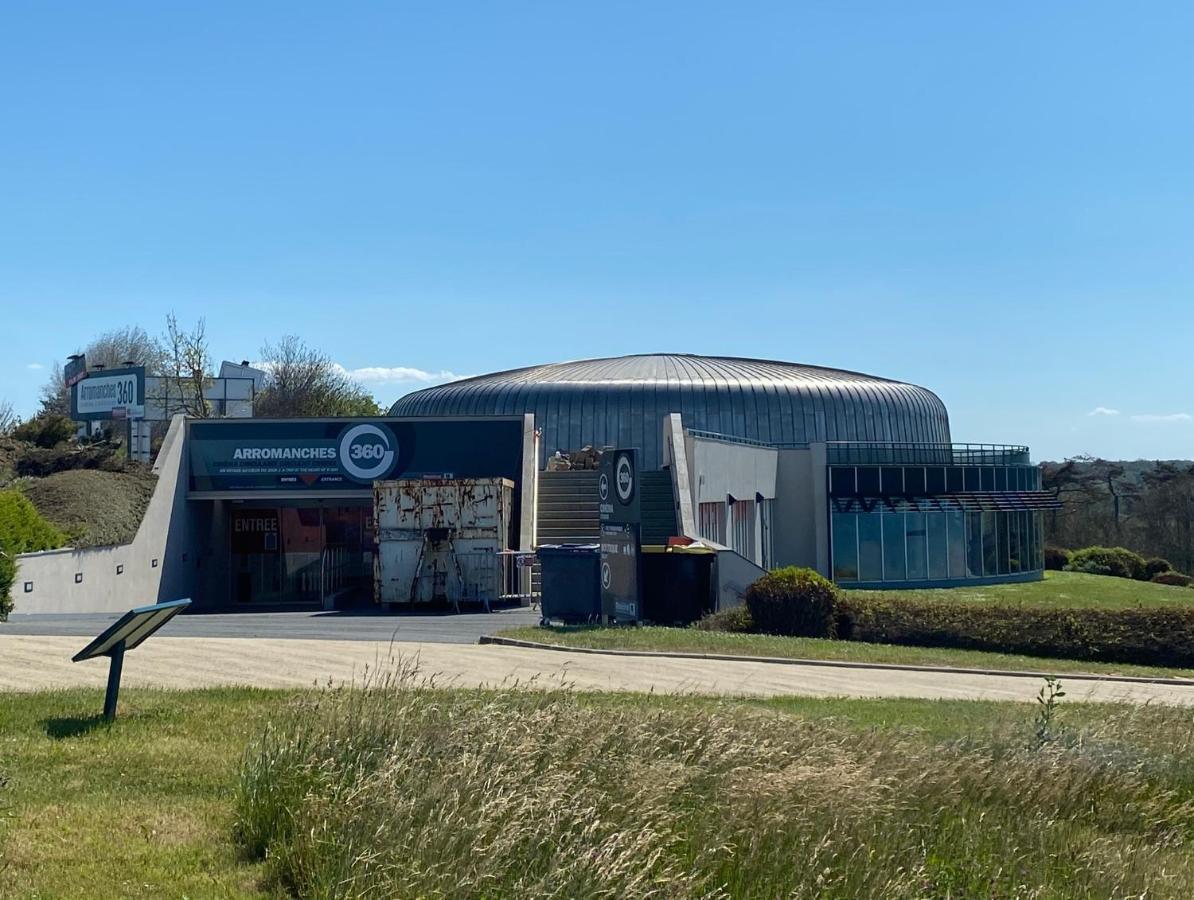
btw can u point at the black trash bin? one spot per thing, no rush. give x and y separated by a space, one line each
570 578
677 584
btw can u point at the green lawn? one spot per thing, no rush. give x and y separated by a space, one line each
146 807
690 640
1059 590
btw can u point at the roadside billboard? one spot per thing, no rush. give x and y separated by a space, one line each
109 394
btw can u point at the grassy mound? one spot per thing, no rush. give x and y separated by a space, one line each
95 508
402 791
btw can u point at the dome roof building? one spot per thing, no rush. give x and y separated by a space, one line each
621 401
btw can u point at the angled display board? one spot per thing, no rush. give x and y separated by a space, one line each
127 633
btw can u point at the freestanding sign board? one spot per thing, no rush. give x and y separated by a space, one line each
617 487
619 573
75 369
109 394
618 503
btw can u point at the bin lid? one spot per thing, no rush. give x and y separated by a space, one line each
569 548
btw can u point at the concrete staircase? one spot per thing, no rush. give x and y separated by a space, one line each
568 512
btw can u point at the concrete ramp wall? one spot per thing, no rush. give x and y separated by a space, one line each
161 563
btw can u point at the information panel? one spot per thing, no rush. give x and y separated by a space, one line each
619 573
314 455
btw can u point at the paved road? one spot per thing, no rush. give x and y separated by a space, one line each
33 662
340 626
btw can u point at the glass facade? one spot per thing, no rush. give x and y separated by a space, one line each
885 546
911 481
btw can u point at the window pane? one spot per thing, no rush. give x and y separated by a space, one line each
938 545
1013 522
894 568
935 480
1003 522
974 545
914 481
955 479
868 481
990 544
893 481
918 546
845 547
956 522
973 479
841 481
988 478
1001 478
870 548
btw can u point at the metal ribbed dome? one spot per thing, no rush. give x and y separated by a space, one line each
621 401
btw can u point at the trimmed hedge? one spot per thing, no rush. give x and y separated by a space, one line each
794 602
1144 636
1121 562
735 619
22 530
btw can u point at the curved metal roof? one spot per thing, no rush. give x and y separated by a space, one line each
622 400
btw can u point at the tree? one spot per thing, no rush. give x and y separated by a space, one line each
112 349
8 418
302 381
1166 513
188 369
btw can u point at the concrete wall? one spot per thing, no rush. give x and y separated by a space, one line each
719 469
161 563
801 529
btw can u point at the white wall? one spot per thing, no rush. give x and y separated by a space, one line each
720 469
163 538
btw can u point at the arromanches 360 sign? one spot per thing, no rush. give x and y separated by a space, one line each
329 454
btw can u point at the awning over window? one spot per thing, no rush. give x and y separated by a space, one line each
969 501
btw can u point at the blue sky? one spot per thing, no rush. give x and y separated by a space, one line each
992 200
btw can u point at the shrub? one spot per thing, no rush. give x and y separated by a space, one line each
1056 558
22 530
736 619
1177 579
1157 566
1160 636
1089 568
1122 562
794 602
46 430
44 462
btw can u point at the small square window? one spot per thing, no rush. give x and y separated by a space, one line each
28 587
120 570
154 563
78 578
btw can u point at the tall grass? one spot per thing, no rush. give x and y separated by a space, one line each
399 789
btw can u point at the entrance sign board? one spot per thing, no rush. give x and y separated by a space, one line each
127 633
102 394
310 456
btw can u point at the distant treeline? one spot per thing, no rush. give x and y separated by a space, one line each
1146 506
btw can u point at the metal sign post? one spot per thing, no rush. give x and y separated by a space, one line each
127 633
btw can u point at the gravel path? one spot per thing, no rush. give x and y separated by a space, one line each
30 662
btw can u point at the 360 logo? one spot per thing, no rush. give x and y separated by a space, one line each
367 452
624 479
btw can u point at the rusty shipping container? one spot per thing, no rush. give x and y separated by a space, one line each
438 540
